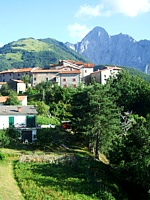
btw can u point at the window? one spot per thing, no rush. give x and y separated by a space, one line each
64 79
65 86
105 75
46 79
85 71
74 86
30 121
34 79
74 79
18 74
11 122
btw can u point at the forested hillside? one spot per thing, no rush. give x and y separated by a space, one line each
29 52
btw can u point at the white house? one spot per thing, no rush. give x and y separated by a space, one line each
101 76
21 118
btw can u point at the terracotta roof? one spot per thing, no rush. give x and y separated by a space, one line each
3 83
4 98
70 72
45 70
81 63
13 110
17 81
88 65
16 70
113 67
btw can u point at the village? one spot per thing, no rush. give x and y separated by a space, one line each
66 73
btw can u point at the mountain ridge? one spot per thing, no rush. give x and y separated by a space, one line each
30 52
121 49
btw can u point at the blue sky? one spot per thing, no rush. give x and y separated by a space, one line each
71 20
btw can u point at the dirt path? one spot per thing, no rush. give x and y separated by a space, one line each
9 189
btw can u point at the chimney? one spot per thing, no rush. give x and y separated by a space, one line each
19 108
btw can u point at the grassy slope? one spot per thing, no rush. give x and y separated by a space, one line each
8 185
29 52
82 181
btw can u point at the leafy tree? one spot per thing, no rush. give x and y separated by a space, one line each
12 99
132 93
4 139
5 90
26 79
130 155
42 108
96 114
13 134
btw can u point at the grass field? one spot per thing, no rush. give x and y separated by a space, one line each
9 189
86 179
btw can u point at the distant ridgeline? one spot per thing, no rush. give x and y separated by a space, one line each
30 52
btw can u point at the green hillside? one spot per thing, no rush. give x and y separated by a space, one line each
29 52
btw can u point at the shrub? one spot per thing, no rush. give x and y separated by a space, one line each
2 156
4 139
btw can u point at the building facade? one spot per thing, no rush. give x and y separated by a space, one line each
20 118
73 72
101 76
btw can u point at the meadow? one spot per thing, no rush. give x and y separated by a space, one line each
85 179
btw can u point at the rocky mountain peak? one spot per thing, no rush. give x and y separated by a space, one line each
121 49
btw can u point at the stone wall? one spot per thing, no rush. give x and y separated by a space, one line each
48 158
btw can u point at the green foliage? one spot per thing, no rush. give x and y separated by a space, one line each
29 52
4 139
47 120
93 109
130 155
13 134
51 136
2 156
12 99
26 79
132 93
42 108
5 90
75 181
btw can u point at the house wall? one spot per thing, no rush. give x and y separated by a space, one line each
5 77
67 80
101 76
85 72
96 76
41 76
18 120
21 87
24 101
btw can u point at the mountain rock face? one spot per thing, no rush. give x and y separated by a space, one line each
121 50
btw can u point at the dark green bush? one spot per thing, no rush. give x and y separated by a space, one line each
2 156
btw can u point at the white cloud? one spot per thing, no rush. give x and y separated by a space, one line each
1 45
130 8
87 10
78 31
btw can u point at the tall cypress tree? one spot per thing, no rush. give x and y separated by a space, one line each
95 114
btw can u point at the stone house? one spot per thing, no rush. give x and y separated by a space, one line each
71 71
